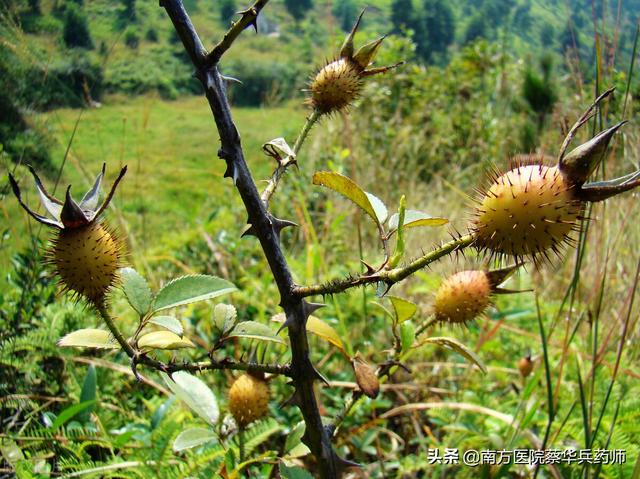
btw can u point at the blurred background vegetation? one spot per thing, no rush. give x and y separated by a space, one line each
84 82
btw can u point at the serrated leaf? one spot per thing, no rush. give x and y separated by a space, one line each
136 290
224 317
325 331
458 347
163 340
414 218
255 330
168 322
193 437
294 472
407 335
89 338
349 189
195 394
190 289
403 308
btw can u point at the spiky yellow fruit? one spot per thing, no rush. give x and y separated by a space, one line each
527 211
336 86
86 260
248 399
462 297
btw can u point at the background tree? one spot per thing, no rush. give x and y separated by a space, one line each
227 11
477 28
345 12
129 11
435 30
298 8
539 91
402 15
76 29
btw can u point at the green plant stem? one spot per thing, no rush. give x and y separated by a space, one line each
241 441
280 170
389 277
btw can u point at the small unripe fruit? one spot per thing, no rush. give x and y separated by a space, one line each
336 86
248 399
85 254
86 259
525 211
525 366
462 297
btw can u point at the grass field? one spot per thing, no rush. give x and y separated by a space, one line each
174 180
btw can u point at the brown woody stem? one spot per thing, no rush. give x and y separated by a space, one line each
302 372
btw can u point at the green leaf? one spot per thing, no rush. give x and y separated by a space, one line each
295 436
89 338
193 437
403 308
293 472
161 412
164 340
136 290
189 289
379 207
195 394
69 413
458 347
255 330
350 190
407 335
224 317
10 451
88 393
168 322
325 331
414 218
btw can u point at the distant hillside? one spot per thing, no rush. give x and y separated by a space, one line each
74 52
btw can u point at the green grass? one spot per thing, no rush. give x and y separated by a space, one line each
174 180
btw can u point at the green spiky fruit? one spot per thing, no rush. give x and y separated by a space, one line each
526 211
462 297
86 260
248 399
335 86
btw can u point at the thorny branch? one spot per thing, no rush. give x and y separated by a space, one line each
263 226
138 357
389 277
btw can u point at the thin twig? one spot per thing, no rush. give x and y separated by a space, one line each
282 167
249 17
139 357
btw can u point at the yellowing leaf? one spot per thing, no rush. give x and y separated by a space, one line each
404 309
458 347
164 340
350 190
325 331
414 218
255 330
89 338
